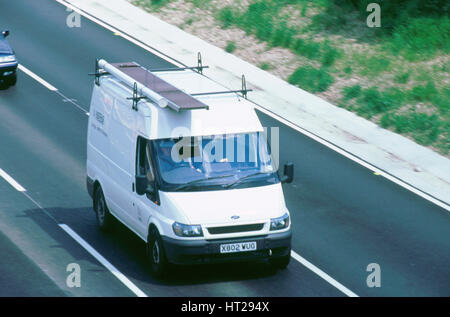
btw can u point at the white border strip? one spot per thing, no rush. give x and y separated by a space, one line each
353 158
103 261
11 181
37 78
323 275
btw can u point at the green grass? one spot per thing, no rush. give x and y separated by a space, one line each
311 79
423 92
307 48
329 54
351 92
264 20
372 65
227 17
424 128
189 21
374 102
231 47
153 4
265 66
402 78
200 3
421 38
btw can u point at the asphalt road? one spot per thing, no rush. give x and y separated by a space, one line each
344 217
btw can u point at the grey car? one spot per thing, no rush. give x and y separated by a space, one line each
8 62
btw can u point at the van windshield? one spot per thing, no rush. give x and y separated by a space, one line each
214 162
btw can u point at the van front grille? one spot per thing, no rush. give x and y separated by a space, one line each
234 229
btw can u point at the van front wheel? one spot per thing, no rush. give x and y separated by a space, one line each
156 254
281 263
104 217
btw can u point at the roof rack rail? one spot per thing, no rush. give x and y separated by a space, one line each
147 85
199 68
242 91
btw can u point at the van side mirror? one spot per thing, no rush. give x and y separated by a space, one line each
141 184
288 176
5 33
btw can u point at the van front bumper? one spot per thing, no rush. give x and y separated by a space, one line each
208 251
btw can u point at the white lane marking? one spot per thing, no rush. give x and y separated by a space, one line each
354 158
50 87
11 181
77 238
119 33
323 275
103 261
65 99
37 78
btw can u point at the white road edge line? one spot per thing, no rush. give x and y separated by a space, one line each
11 181
353 158
323 275
103 261
37 78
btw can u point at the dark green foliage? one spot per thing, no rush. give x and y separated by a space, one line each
311 79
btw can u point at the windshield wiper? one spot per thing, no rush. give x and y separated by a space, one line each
240 180
183 186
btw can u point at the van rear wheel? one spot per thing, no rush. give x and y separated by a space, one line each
104 217
156 254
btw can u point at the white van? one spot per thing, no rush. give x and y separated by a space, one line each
188 171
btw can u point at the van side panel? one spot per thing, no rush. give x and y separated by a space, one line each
122 158
98 142
106 156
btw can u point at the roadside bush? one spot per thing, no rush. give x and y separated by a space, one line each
421 38
311 79
351 92
424 128
231 47
226 16
423 93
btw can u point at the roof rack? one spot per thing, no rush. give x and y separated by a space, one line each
199 68
147 85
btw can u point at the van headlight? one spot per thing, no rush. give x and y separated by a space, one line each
7 59
279 223
183 230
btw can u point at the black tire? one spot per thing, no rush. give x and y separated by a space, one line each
281 263
12 80
104 217
156 254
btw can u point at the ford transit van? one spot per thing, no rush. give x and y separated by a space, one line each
186 166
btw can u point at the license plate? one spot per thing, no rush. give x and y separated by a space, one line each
238 247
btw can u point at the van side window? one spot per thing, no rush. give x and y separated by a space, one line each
144 160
